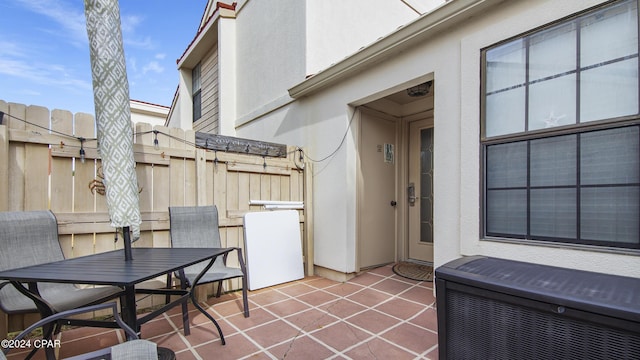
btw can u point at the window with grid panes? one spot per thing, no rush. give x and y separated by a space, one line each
197 93
561 132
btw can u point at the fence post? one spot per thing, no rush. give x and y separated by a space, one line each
36 173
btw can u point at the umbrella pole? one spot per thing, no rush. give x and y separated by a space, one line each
127 243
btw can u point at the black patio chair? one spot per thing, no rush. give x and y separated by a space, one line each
197 226
133 349
31 238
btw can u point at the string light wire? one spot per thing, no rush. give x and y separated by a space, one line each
83 140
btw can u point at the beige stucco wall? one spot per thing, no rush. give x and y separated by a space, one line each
510 20
452 55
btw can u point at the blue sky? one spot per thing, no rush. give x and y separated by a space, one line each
44 51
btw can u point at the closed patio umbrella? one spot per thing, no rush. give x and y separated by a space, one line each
113 115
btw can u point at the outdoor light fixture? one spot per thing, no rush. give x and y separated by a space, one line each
156 145
419 90
82 153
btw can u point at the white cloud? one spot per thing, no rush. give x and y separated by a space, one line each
29 92
140 43
133 64
153 66
161 56
70 16
10 49
42 73
65 14
128 23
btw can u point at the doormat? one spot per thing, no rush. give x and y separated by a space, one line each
414 271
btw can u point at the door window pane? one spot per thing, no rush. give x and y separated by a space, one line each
426 185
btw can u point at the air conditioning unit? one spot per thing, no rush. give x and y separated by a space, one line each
491 308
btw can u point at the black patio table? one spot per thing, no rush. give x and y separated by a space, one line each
111 268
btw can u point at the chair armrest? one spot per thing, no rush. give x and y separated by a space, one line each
64 314
240 258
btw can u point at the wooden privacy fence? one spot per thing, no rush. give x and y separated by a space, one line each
41 168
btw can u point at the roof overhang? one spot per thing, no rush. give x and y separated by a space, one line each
449 14
206 37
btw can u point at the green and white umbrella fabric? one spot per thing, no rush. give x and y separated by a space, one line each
113 115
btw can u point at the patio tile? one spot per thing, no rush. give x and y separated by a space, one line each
237 347
287 307
368 297
374 315
196 317
205 333
383 270
297 289
301 348
427 284
344 289
159 326
340 335
230 307
320 282
311 320
432 354
267 297
272 333
185 355
391 286
178 309
379 349
412 337
317 297
257 318
427 319
171 341
83 343
19 355
400 308
407 280
373 321
342 308
366 279
421 295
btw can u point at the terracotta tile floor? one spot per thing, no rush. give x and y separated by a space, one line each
375 315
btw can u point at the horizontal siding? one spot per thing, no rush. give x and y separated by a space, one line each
210 109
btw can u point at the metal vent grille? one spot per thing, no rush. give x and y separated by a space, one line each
483 328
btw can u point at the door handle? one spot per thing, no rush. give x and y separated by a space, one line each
411 193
